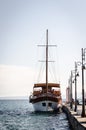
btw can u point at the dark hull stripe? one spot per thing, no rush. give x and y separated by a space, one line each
38 99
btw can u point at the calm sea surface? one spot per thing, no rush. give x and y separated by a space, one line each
19 115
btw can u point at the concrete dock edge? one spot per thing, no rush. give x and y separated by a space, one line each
75 124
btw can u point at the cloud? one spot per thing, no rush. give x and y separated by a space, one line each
16 81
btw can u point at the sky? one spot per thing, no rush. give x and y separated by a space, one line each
23 25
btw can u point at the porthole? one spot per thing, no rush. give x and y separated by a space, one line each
44 104
49 104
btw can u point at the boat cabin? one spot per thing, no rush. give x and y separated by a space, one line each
41 88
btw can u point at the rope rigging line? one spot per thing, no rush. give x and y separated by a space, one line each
40 73
42 66
52 67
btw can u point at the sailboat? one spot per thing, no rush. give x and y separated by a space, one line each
46 96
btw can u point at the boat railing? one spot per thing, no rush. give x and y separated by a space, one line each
45 94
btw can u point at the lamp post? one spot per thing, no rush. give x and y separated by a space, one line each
75 88
68 92
71 95
76 74
83 67
69 84
71 106
75 79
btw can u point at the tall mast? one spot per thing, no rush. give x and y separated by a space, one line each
47 60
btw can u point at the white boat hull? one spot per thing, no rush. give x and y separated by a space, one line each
45 106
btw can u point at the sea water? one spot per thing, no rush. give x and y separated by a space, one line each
19 115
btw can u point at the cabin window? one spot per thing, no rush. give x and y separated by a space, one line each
49 104
44 104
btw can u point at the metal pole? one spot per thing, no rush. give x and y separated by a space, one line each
75 87
69 90
47 60
83 101
71 105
